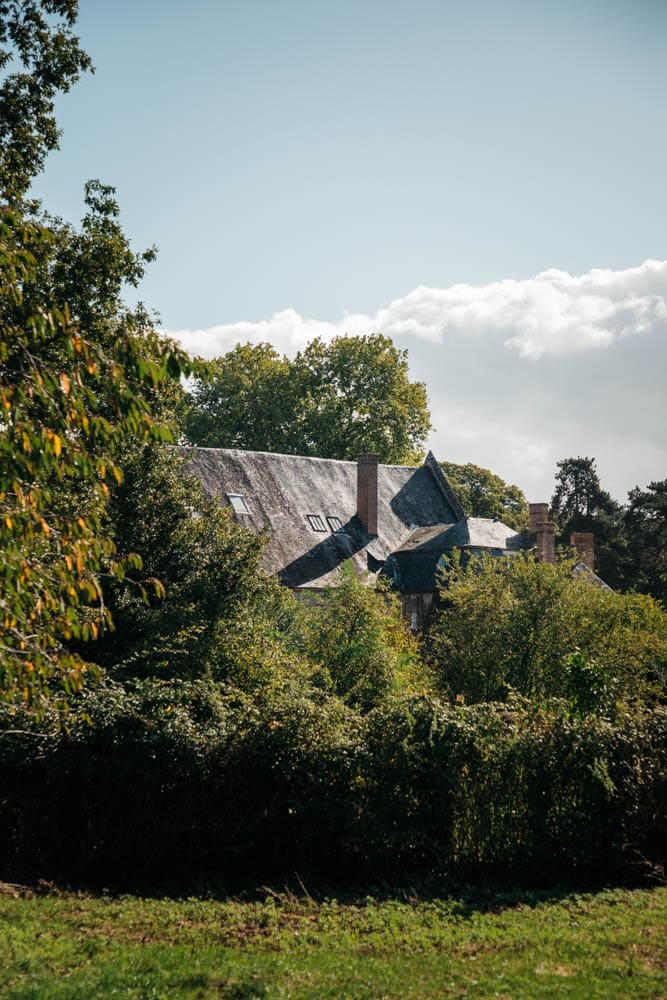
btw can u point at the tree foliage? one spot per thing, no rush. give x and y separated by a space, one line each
358 398
360 644
580 503
40 57
482 493
70 398
245 399
334 400
645 525
518 623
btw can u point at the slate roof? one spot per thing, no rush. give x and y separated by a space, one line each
280 491
414 565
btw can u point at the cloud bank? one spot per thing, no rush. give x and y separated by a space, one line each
553 314
523 373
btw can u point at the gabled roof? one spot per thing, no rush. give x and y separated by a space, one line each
414 565
280 491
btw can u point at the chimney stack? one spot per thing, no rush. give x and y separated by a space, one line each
542 530
367 492
584 543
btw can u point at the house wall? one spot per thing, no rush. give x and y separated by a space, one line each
418 609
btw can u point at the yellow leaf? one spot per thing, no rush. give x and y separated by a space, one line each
57 444
64 384
9 522
45 527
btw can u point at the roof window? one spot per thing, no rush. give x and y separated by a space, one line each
334 523
238 503
316 522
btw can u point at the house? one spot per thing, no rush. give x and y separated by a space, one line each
321 513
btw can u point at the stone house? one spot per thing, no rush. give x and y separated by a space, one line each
319 513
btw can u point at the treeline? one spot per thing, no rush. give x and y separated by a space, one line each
630 539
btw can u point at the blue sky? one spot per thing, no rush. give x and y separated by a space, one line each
316 167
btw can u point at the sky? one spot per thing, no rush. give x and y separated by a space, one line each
482 181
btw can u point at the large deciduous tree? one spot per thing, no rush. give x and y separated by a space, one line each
334 400
73 389
80 375
245 399
358 397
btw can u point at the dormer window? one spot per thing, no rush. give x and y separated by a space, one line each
316 522
334 523
238 503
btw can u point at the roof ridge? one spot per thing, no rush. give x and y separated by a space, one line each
282 454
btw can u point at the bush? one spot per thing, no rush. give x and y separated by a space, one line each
181 784
359 642
516 625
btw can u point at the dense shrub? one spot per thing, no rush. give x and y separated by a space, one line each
360 646
191 783
516 625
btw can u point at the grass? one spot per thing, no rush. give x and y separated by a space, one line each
606 944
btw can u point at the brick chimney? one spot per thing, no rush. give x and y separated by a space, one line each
367 492
584 543
542 530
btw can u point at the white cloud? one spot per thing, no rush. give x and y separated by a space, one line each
554 313
520 418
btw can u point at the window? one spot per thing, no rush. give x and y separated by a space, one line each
334 523
316 522
238 503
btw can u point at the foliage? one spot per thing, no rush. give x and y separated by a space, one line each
70 398
359 639
481 493
172 784
513 788
246 399
335 400
40 57
646 530
516 623
359 398
208 568
580 504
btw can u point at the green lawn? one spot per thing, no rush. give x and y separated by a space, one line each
607 944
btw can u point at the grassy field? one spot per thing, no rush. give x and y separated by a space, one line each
608 944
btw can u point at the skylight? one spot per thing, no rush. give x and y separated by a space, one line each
334 523
316 522
238 503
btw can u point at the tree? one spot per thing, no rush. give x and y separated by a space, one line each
362 646
208 568
71 394
646 529
358 398
484 494
544 631
334 400
580 504
245 399
37 37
